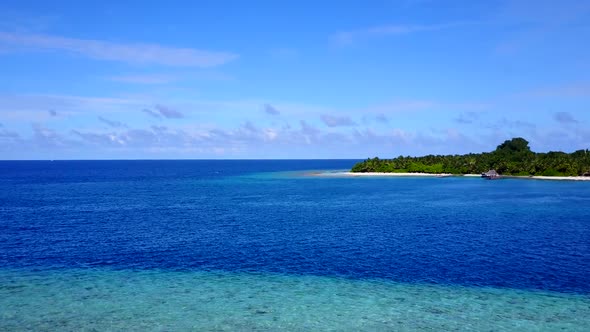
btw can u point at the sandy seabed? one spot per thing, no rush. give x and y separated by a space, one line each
351 174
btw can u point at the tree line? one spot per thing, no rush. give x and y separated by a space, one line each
513 157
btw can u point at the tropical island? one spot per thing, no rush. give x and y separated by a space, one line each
513 157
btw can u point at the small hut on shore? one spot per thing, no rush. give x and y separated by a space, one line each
491 174
586 174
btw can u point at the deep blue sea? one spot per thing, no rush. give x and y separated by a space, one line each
257 245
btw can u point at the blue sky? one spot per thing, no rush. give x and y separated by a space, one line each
290 79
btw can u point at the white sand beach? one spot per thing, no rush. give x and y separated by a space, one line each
557 178
377 174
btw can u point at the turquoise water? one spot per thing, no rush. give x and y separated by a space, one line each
261 245
109 300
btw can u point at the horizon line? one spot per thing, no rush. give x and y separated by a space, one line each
186 159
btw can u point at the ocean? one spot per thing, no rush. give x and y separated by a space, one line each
267 245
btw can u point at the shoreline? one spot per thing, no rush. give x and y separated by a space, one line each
380 174
555 178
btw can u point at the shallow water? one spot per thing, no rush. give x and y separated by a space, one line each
105 300
244 245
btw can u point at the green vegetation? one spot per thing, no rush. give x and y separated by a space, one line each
513 157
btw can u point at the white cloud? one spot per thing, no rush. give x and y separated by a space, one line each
169 113
569 90
337 121
467 117
256 140
381 118
136 53
25 108
112 123
143 79
151 113
162 111
269 109
349 37
564 118
401 106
